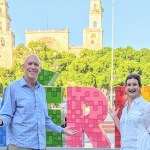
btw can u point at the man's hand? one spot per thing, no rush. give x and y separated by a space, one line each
69 131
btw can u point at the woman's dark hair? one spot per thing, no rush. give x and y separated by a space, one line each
134 76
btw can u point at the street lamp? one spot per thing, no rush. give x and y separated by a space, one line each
112 58
55 66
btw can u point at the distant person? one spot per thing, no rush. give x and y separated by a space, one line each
24 111
134 124
63 115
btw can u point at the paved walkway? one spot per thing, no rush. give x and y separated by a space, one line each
61 148
109 128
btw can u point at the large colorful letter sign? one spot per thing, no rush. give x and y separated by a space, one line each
54 96
77 97
120 100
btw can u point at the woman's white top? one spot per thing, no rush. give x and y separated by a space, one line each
135 126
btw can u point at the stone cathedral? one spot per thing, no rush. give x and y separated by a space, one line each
55 39
7 41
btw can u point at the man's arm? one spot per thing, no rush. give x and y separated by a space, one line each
147 118
8 106
52 126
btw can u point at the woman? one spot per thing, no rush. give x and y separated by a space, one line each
134 124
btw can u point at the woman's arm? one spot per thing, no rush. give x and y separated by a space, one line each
147 118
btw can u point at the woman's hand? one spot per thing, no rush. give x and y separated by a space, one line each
113 113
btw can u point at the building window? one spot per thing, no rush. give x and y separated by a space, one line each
2 42
92 42
8 26
95 6
95 24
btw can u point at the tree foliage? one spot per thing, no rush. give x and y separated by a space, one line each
92 68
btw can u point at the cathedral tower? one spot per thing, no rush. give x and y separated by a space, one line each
6 36
92 36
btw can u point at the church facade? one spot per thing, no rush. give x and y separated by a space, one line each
55 39
7 41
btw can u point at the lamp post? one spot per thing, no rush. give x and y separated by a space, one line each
55 64
112 58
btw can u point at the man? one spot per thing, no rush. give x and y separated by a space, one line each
24 110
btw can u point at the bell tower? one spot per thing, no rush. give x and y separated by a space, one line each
6 36
93 36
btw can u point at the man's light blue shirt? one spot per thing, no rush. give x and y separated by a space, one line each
24 112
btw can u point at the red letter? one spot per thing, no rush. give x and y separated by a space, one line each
77 97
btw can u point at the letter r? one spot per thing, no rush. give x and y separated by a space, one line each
77 97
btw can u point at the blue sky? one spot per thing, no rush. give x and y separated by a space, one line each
131 20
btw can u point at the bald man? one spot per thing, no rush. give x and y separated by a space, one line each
24 111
